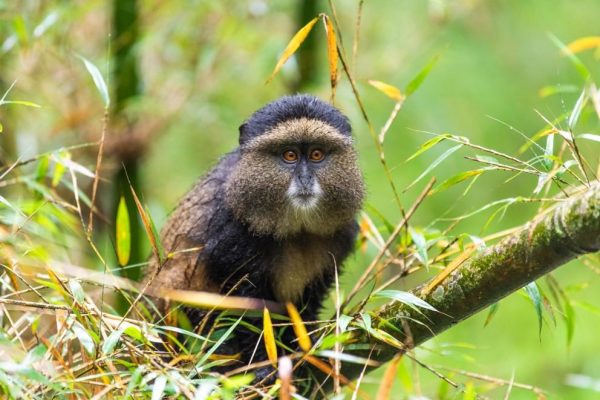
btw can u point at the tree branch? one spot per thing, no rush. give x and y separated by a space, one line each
550 240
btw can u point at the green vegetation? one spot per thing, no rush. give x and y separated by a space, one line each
496 100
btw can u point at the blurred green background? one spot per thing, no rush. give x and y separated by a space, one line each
202 68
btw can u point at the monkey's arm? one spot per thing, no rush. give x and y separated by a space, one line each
186 232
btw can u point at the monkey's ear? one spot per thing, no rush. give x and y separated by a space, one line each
243 132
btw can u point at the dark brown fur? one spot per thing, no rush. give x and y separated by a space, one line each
253 241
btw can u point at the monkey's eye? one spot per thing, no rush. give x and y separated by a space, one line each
289 156
317 155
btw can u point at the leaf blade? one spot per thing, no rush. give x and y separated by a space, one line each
292 46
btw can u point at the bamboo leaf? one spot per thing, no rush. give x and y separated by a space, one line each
406 298
293 45
429 144
590 136
463 176
420 77
533 292
98 80
421 245
159 387
390 91
148 226
492 311
385 386
123 233
269 337
85 339
21 103
332 53
111 341
584 43
299 329
577 63
77 291
434 164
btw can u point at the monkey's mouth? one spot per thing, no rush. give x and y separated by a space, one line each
303 198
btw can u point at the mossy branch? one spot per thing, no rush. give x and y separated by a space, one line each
548 241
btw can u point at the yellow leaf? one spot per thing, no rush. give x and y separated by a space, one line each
332 53
385 387
149 227
123 233
584 43
293 46
390 91
269 337
439 278
299 328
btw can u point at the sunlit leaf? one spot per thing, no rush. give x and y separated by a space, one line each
547 91
293 46
332 53
579 65
390 91
98 80
420 77
21 103
533 292
576 112
269 337
134 381
429 144
157 248
77 291
421 245
463 176
158 388
406 298
584 43
299 327
85 339
123 233
590 136
434 164
111 341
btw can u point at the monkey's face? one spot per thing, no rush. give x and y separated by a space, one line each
300 176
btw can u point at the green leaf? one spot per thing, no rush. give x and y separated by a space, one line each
59 171
159 387
111 341
135 333
429 144
406 298
569 317
123 233
85 339
533 292
463 176
579 65
548 152
421 245
576 112
492 311
77 291
420 77
98 80
21 103
434 164
590 136
135 380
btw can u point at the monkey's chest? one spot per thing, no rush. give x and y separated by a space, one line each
297 265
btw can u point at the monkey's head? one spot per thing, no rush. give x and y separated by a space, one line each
298 170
